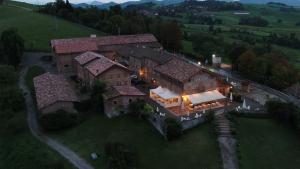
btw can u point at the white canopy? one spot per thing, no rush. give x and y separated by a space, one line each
164 93
205 97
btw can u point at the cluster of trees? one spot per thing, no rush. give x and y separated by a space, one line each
119 156
199 6
11 102
205 45
267 68
285 40
140 109
11 47
203 20
284 113
254 21
173 129
117 21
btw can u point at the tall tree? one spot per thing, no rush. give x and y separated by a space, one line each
171 36
13 46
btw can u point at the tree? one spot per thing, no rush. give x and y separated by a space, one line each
171 36
118 156
246 63
58 120
140 108
13 46
173 128
96 95
235 53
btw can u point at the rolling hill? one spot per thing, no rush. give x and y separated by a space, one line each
38 29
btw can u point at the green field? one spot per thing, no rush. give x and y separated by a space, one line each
266 145
196 149
21 150
272 14
38 29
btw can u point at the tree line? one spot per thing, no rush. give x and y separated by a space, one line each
254 21
117 21
11 47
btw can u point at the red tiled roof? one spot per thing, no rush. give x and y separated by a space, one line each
50 88
128 91
98 66
178 69
77 45
86 57
116 91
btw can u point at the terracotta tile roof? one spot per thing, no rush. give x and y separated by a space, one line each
86 57
178 69
98 66
159 56
116 91
78 45
50 88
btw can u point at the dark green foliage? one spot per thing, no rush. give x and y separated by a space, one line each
8 75
96 95
173 129
270 68
118 156
140 109
206 45
284 113
58 120
11 99
31 73
209 116
254 21
12 46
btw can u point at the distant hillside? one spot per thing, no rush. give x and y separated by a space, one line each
128 3
288 2
38 29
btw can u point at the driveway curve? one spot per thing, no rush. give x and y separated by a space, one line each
36 131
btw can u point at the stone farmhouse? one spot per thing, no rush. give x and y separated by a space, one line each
65 50
53 93
117 99
177 85
90 66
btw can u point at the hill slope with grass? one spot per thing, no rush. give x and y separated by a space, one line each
38 29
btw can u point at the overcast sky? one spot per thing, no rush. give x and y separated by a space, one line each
72 1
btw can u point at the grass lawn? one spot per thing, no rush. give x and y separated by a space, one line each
22 151
196 149
266 145
38 29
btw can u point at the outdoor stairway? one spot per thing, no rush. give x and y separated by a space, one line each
223 125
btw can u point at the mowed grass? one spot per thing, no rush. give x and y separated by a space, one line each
266 145
196 149
38 29
21 150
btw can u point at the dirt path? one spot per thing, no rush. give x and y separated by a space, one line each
67 153
227 142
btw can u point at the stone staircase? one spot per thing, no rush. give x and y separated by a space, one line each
223 125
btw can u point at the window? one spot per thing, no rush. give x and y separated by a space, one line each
66 65
115 102
130 100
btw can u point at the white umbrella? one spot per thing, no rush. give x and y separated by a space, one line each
203 111
231 97
244 104
157 109
227 79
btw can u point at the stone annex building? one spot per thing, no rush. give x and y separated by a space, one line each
176 85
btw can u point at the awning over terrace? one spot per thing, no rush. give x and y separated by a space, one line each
205 97
164 93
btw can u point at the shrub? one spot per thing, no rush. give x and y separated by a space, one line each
118 156
58 120
173 129
140 109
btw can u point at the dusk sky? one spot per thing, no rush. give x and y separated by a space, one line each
72 1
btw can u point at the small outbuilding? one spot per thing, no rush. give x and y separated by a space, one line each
53 93
118 98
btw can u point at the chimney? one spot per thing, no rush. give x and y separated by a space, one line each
93 36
